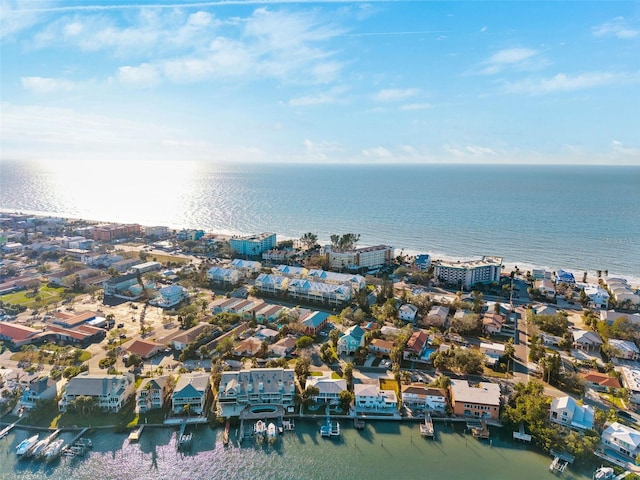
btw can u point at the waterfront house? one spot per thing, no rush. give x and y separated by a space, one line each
625 349
191 389
370 399
567 412
111 392
256 386
621 440
380 347
621 291
152 393
284 346
600 381
545 286
586 340
39 388
145 348
408 312
352 339
598 296
563 276
418 396
437 317
482 401
329 388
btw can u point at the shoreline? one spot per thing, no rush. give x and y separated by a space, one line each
633 280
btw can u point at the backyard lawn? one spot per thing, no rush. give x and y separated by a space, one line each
45 296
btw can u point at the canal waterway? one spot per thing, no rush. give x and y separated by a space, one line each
383 450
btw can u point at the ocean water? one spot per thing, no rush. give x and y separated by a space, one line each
383 451
580 218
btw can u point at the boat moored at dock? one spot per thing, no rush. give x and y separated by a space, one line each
25 446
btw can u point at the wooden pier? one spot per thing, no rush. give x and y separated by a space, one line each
479 429
134 436
185 440
520 435
426 428
560 461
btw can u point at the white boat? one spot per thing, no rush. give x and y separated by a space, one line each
53 450
272 432
26 445
260 429
38 448
604 473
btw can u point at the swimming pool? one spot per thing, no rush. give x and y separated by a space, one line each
264 409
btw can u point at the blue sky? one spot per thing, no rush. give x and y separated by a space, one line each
328 82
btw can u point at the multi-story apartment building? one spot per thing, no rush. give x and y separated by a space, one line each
468 273
366 257
253 245
107 233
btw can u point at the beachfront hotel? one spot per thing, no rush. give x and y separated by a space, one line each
468 273
366 257
253 245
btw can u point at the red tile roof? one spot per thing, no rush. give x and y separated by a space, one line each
601 379
16 332
144 348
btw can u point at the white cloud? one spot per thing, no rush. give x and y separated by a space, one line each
478 150
334 95
395 95
518 59
484 29
616 28
415 106
563 82
619 148
144 74
17 16
377 152
324 150
43 85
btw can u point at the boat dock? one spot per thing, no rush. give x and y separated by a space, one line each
77 448
478 429
358 423
426 428
5 431
134 436
329 429
560 461
288 425
184 439
520 435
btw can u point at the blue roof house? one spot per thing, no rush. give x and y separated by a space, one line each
352 339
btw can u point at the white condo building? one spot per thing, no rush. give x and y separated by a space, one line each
468 273
366 257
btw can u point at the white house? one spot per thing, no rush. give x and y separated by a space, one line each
151 394
566 411
598 296
631 381
492 323
492 351
419 396
611 316
369 398
39 388
170 296
545 286
330 388
408 312
624 349
272 284
622 440
191 389
586 340
245 267
110 391
223 275
381 347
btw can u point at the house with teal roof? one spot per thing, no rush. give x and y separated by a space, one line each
352 339
191 389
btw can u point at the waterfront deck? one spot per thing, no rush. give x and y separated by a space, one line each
560 461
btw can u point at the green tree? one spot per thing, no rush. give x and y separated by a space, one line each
302 369
309 240
346 399
334 335
304 342
348 375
